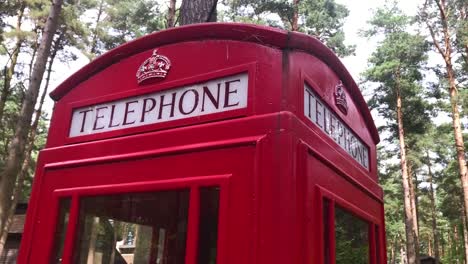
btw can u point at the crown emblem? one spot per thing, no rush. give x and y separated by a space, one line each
340 98
155 66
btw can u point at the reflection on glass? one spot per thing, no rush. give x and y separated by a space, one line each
377 244
61 229
208 230
133 228
326 230
352 238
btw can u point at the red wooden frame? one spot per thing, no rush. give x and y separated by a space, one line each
193 184
335 200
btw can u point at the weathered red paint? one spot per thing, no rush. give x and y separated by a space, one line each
274 166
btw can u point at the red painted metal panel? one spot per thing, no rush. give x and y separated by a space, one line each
212 59
222 31
194 217
372 246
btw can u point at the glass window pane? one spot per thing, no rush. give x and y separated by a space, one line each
326 231
351 237
208 230
61 229
133 228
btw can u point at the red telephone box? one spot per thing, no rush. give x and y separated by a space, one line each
210 143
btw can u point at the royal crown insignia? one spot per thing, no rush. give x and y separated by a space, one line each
155 66
340 98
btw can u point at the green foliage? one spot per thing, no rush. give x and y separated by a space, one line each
325 19
390 180
7 8
116 22
351 236
396 66
399 66
321 18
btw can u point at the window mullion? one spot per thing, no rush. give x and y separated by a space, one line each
71 231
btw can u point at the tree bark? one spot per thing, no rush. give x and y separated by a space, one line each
171 14
403 256
9 71
430 247
435 230
443 244
295 24
455 241
465 235
34 47
446 53
414 198
393 248
16 149
414 206
411 246
198 11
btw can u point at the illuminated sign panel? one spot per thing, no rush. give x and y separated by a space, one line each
214 96
321 115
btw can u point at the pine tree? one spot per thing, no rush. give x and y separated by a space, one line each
323 19
16 149
446 22
396 67
198 11
119 21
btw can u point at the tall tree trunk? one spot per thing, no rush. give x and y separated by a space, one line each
171 13
9 71
414 199
16 149
443 244
34 47
403 256
92 52
413 188
198 11
394 247
430 247
446 53
465 234
295 18
411 246
435 230
30 146
455 242
391 245
414 206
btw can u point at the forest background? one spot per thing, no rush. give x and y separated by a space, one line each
415 81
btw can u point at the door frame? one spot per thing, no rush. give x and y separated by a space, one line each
335 200
192 183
